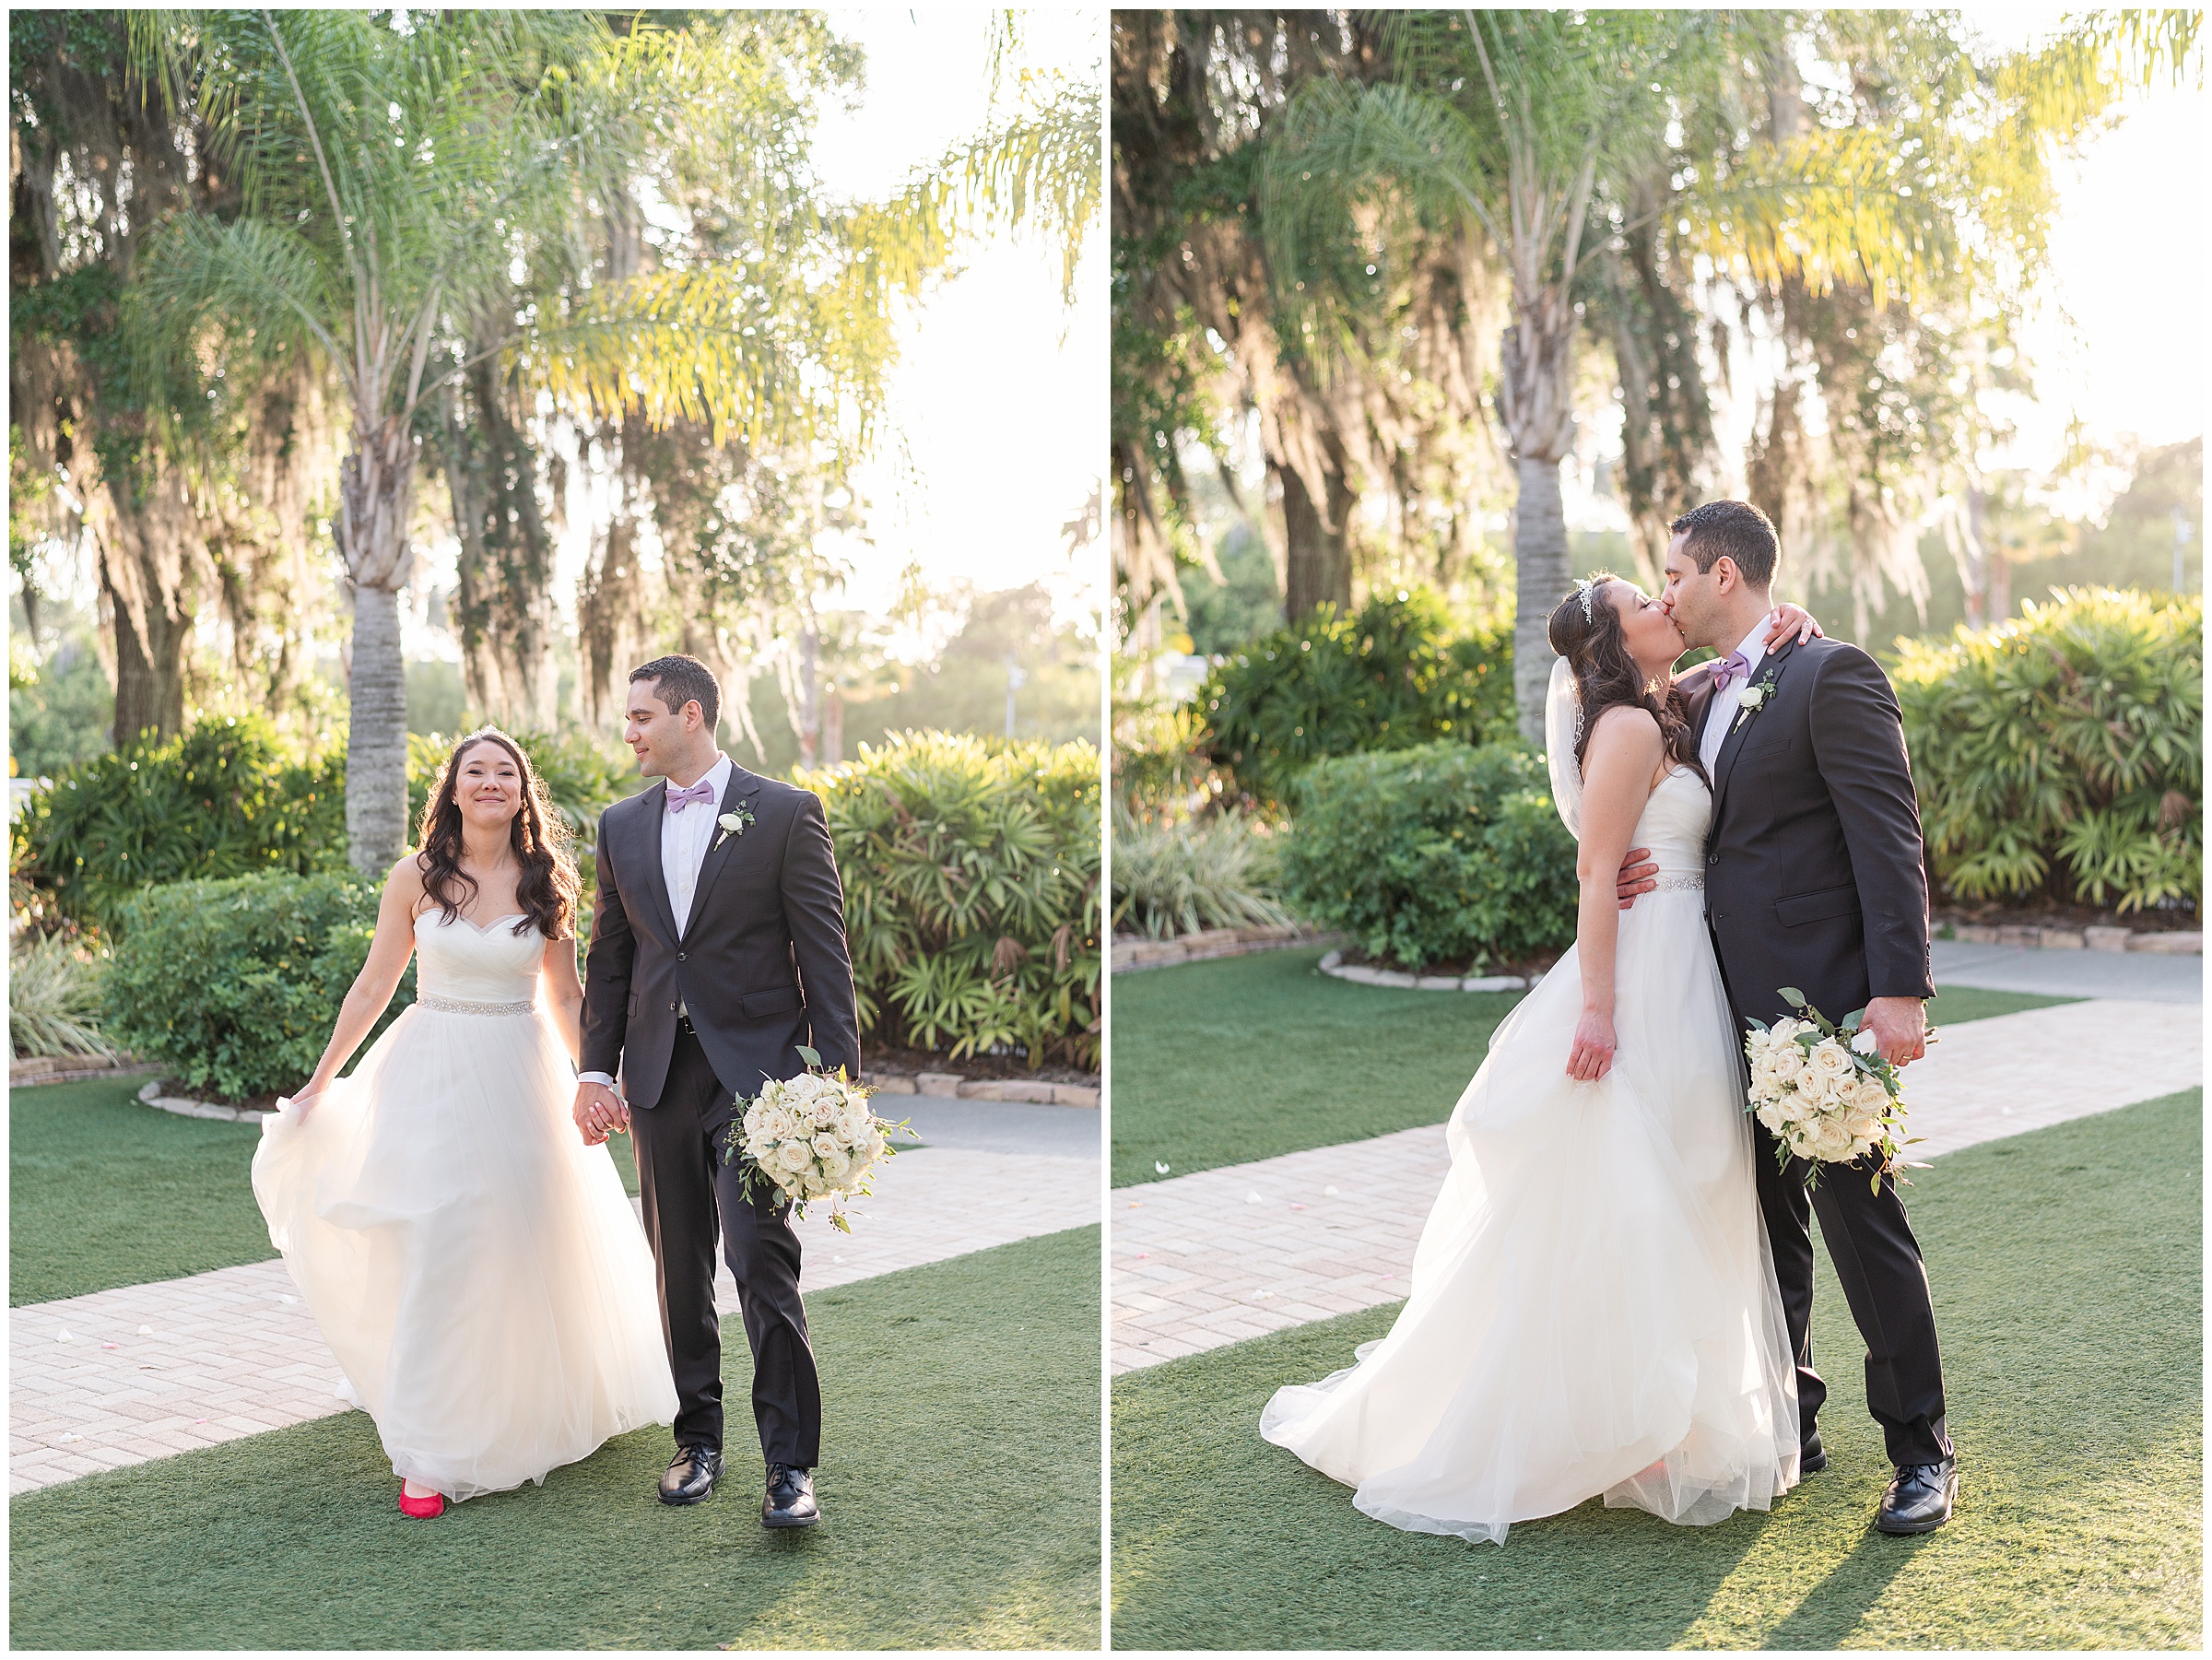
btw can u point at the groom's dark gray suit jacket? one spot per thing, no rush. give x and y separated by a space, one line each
761 967
1812 875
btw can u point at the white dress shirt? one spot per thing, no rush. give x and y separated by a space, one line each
685 838
1725 700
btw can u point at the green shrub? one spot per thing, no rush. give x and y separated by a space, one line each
53 998
1391 677
971 869
222 799
236 984
1443 853
2064 752
1208 873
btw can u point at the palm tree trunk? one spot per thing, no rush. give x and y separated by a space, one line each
375 492
376 743
1541 576
1318 566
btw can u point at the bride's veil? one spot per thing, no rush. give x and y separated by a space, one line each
1562 725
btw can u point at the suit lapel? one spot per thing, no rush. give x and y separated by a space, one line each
652 807
740 789
1724 764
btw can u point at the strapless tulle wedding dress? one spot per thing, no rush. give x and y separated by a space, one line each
475 1268
1593 1307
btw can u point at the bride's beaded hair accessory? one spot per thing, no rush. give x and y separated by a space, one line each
1586 586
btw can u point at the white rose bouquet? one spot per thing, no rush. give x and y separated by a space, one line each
1825 1092
812 1137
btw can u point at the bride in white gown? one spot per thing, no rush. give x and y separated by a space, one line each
1593 1308
474 1267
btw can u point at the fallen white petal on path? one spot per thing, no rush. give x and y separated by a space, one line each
180 1364
1196 1263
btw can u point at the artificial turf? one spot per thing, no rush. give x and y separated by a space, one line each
1224 1061
2066 1268
959 1494
104 1191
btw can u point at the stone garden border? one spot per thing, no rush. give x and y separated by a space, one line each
1133 953
1334 965
183 1106
2034 937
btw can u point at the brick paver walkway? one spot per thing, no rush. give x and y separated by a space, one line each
1204 1260
152 1370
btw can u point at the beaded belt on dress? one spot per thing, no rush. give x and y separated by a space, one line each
1688 882
454 1006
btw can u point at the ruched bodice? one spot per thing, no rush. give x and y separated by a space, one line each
471 964
1674 824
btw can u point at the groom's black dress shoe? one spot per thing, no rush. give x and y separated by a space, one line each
690 1475
1920 1500
790 1499
1812 1457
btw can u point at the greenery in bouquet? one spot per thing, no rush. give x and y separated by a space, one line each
1825 1094
809 1138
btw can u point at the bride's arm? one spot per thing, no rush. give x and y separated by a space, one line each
372 987
566 998
1624 753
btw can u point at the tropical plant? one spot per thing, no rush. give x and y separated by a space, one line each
396 172
1441 853
236 984
1394 675
53 998
972 871
2063 753
222 799
1169 879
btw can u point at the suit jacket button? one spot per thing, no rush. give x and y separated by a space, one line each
672 1008
679 957
1712 858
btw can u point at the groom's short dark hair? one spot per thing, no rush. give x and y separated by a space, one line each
680 680
1736 529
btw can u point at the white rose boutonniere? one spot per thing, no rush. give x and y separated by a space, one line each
1753 699
732 823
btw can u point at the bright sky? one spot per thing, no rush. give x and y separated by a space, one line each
999 401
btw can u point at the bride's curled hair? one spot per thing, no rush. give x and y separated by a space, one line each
1606 674
546 884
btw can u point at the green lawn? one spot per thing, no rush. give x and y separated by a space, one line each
1221 1063
104 1191
2066 1266
960 1501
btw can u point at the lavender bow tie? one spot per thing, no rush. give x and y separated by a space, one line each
1734 666
680 799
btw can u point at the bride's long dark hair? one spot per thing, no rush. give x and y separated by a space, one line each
546 885
1606 674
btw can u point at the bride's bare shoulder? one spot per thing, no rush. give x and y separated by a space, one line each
1625 726
404 882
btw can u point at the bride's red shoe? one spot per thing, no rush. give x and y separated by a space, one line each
408 1506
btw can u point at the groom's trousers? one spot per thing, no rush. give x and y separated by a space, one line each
686 1188
1877 1261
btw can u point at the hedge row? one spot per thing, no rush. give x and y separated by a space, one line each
971 899
2062 752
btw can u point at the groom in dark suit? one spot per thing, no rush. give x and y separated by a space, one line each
717 949
1814 879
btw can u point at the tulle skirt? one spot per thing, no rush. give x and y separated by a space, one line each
474 1267
1593 1308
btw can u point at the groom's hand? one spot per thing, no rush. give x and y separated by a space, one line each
600 1112
1636 877
1901 1028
